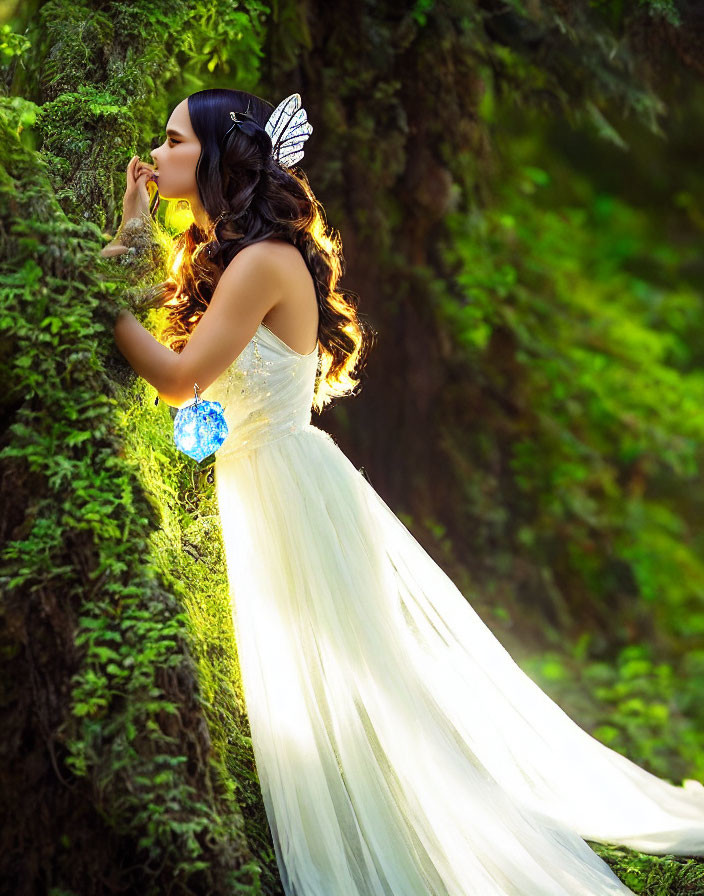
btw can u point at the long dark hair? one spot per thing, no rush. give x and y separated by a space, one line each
249 197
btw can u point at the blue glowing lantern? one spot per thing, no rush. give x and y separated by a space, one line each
200 427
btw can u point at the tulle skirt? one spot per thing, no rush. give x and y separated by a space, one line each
399 748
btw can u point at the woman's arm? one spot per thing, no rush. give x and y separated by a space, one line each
151 360
251 284
140 239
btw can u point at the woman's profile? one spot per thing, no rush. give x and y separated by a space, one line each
400 749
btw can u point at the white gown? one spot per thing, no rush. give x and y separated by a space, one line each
399 748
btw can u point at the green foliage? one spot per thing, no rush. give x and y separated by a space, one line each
637 703
601 381
657 9
569 58
654 875
11 44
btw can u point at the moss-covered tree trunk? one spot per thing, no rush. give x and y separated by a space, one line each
121 770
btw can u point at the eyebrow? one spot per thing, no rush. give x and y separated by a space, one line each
174 133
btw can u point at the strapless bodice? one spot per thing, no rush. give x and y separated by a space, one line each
266 393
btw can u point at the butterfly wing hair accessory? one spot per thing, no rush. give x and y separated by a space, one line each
288 128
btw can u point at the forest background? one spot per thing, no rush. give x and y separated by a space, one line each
518 187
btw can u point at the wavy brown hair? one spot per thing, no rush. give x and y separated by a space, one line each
249 197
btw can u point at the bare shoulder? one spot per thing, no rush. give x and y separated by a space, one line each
287 258
283 261
277 272
261 254
254 265
274 257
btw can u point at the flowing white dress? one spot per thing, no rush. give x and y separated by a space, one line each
399 748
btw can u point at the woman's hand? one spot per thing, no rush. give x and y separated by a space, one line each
135 203
136 199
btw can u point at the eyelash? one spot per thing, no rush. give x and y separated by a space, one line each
172 141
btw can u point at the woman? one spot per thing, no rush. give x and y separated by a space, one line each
400 750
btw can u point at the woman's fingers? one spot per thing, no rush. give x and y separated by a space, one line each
139 175
144 167
136 166
136 169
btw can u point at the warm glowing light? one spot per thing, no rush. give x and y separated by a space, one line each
178 215
326 241
177 262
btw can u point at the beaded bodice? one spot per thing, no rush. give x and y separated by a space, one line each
266 393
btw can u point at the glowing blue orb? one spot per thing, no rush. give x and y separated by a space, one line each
200 428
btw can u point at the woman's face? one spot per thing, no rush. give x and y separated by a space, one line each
176 158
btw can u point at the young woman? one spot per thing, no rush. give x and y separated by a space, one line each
400 750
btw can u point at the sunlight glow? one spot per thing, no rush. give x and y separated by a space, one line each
176 264
178 215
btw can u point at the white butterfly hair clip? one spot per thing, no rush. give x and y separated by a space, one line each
287 127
